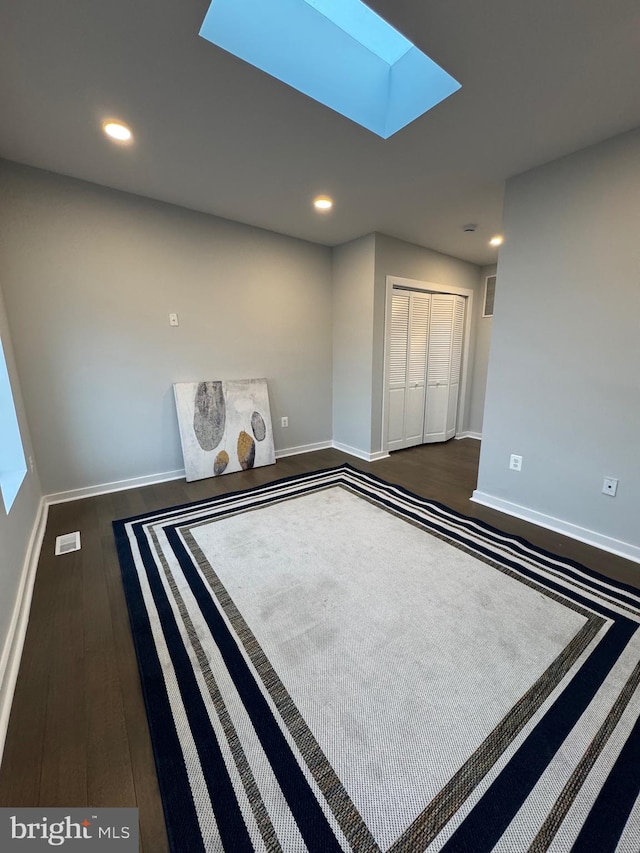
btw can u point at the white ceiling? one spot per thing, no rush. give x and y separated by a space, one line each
540 79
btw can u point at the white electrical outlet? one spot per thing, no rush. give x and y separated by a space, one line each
284 422
610 486
173 320
515 462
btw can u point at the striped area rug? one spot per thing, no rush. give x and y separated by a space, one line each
330 662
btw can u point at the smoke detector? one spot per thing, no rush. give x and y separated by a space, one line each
470 227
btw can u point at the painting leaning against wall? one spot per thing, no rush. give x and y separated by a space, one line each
225 426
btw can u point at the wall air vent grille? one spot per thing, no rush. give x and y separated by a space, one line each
489 295
67 543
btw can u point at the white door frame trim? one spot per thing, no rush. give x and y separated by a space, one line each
430 287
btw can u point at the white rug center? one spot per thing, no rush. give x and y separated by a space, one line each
401 652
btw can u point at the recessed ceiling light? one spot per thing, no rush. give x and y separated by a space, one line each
323 202
498 240
117 130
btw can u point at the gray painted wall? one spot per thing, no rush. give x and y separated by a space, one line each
395 257
15 528
90 276
481 357
353 276
564 372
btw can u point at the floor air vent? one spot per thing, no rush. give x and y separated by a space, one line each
67 543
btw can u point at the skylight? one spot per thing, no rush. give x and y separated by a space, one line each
338 52
361 23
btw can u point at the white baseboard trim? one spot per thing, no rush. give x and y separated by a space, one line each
14 643
360 454
476 435
303 448
380 454
116 486
574 531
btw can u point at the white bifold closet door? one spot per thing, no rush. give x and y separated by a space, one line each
409 335
443 367
425 356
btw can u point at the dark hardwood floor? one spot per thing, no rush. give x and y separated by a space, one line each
78 733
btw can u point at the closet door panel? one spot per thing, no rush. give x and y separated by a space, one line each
398 353
414 417
456 363
396 418
438 368
416 368
452 410
436 413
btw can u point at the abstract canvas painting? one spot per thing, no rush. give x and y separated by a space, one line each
225 426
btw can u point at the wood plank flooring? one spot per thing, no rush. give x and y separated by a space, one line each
78 732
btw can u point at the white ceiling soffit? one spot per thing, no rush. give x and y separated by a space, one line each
212 133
